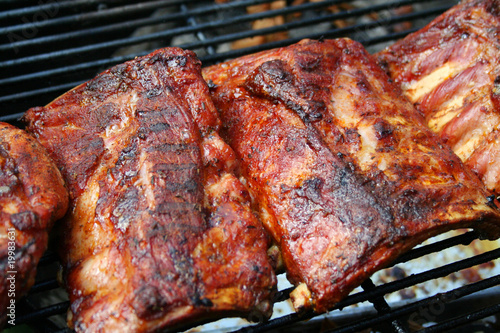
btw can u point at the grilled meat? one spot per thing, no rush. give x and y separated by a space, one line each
32 198
344 172
450 70
161 234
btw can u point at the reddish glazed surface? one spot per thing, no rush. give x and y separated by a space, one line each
343 170
160 233
450 70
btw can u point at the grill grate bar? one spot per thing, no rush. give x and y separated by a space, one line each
210 58
418 252
169 33
18 12
67 36
199 33
463 239
104 14
56 309
11 117
387 38
41 91
204 43
446 297
61 70
421 277
44 286
442 298
332 33
230 37
381 306
371 293
387 288
459 321
123 41
131 24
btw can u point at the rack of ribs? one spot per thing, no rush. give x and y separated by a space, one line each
32 197
343 171
160 232
450 70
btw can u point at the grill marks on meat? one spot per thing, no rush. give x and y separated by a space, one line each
32 197
450 70
161 233
345 174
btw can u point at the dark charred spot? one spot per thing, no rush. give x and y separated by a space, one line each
173 60
383 129
121 71
352 135
311 189
202 301
151 93
497 81
105 115
25 220
173 147
491 201
383 63
495 93
315 111
270 79
362 85
492 7
274 81
189 186
159 127
148 302
128 153
182 61
308 61
211 84
141 134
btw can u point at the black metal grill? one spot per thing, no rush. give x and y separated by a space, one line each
48 47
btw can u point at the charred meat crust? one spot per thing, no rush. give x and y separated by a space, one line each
161 234
343 171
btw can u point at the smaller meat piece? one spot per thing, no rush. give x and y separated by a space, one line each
450 70
344 172
32 197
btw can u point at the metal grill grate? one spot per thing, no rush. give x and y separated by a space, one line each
48 47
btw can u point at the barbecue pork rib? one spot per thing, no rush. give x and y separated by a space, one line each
32 197
344 172
161 233
450 70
